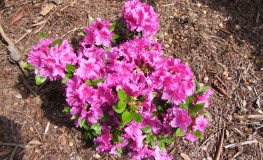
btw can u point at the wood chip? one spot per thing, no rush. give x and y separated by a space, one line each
47 8
185 156
19 16
34 141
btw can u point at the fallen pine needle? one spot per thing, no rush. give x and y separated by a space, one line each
241 143
219 149
258 116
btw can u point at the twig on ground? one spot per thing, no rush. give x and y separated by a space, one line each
219 149
45 21
14 144
13 153
73 30
15 54
219 79
31 124
37 132
211 136
29 87
22 113
258 116
165 5
241 143
24 35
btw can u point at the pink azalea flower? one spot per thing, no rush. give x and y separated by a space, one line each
104 140
200 123
98 33
205 98
190 137
51 62
161 155
88 69
181 119
140 17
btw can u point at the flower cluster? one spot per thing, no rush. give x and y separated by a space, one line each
129 98
140 17
51 56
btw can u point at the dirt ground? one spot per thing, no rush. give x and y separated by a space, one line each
221 40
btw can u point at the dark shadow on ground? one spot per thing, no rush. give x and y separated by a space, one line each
244 23
9 134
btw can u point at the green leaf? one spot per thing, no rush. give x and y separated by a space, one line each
43 35
198 134
179 132
161 145
88 134
121 24
81 122
91 19
148 138
89 83
126 117
66 109
136 117
196 85
115 36
121 104
70 68
147 129
67 76
203 90
95 83
105 116
118 151
153 142
188 101
39 79
115 137
28 66
183 106
141 98
196 108
118 110
154 94
97 128
55 42
82 34
74 117
112 27
85 126
122 95
167 139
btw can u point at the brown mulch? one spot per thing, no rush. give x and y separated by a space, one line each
221 40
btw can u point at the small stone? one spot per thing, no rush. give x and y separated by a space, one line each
237 27
70 143
166 45
204 11
15 104
31 128
57 2
18 95
198 4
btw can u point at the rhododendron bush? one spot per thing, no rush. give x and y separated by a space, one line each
128 97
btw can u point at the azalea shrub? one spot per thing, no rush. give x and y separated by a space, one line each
128 97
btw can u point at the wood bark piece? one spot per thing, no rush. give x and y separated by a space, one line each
15 54
219 149
243 117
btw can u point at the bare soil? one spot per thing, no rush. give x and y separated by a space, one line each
221 40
